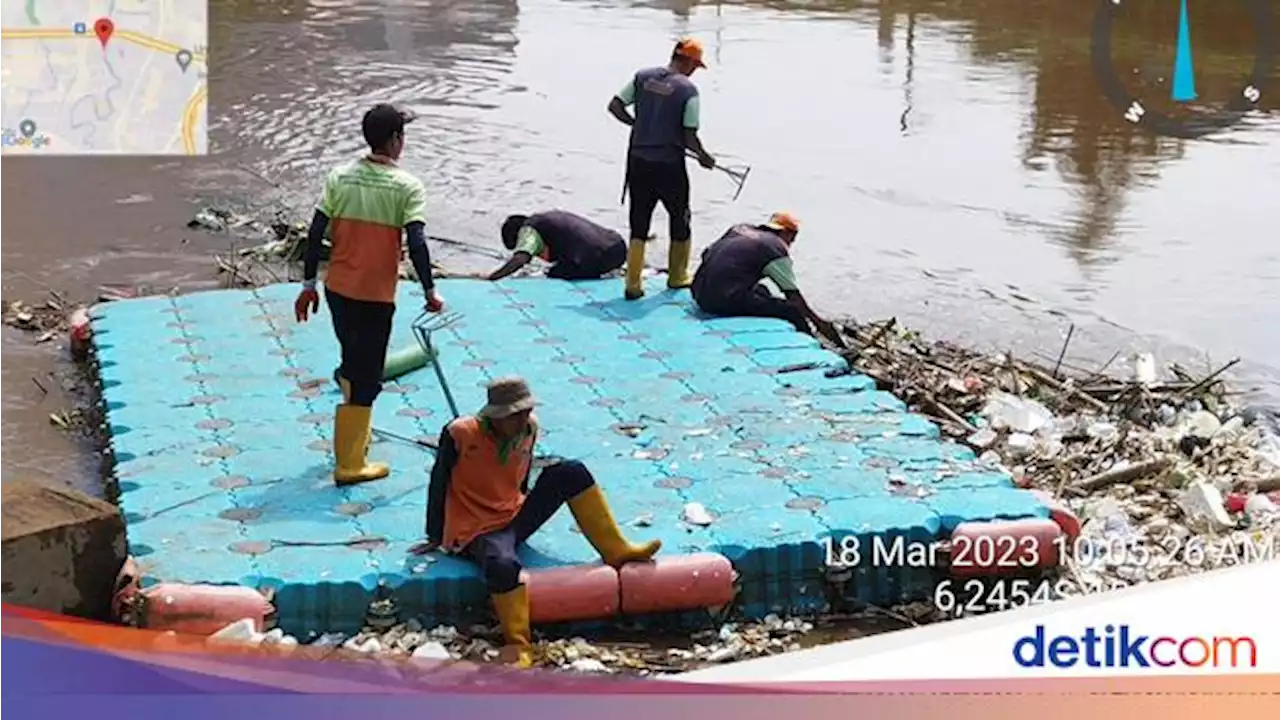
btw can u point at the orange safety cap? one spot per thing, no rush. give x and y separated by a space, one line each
783 221
691 49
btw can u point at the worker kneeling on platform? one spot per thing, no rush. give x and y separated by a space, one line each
480 506
577 248
366 204
728 282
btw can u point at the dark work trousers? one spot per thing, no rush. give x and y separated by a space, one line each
363 329
651 183
495 552
595 268
758 302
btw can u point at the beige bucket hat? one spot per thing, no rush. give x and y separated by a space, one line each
508 396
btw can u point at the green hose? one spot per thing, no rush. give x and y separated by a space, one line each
405 361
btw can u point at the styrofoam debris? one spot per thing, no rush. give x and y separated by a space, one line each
1202 502
240 632
1015 413
696 514
432 651
1144 368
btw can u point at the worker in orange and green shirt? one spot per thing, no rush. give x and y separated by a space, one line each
366 206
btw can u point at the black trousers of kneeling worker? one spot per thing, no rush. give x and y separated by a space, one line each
363 329
495 552
594 267
758 302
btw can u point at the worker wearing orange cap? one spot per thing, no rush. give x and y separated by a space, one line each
728 279
664 127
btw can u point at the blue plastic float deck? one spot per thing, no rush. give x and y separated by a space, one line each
220 409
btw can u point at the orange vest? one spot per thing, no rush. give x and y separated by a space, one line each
484 492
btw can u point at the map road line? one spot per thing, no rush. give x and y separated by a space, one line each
189 118
134 37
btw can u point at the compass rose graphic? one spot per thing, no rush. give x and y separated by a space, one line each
1192 113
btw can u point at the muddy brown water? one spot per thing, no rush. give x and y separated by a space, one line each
953 164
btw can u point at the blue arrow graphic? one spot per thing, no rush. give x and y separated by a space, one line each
1184 74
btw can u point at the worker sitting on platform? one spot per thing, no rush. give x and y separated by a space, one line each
480 506
367 205
728 280
577 248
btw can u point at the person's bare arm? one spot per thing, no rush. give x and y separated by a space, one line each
692 121
619 111
619 103
694 143
825 327
514 263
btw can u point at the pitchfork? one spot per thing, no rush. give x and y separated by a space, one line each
426 324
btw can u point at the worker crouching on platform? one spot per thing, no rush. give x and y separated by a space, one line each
728 281
480 506
577 248
366 206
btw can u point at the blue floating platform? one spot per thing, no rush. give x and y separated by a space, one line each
220 409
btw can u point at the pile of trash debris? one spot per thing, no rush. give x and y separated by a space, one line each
481 644
1168 475
271 249
47 320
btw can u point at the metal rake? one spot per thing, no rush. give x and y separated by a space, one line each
737 173
426 324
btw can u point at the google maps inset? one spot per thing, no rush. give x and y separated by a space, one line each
103 77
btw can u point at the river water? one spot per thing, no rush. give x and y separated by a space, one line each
952 163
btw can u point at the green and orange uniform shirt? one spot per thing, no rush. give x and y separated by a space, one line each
368 203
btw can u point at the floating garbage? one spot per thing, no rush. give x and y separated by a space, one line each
1145 460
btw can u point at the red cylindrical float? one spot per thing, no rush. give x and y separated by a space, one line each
676 582
1004 547
201 609
80 332
577 592
1060 513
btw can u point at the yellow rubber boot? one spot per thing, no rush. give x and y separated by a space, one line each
635 270
678 265
351 432
592 513
345 386
512 609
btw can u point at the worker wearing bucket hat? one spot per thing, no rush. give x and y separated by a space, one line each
664 127
480 506
728 281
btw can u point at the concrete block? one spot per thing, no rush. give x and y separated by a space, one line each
62 549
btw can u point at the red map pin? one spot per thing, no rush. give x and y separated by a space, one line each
103 27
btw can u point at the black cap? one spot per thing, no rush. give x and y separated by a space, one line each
384 122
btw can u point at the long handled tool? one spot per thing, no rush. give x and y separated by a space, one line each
470 247
737 173
433 444
426 324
